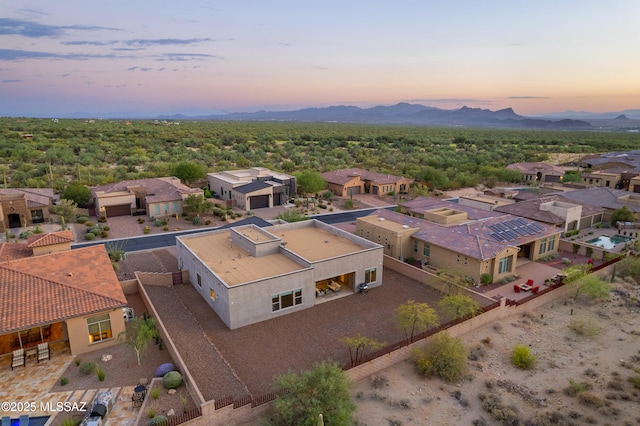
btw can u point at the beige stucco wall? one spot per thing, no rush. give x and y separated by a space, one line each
341 190
169 208
78 332
535 253
114 199
242 200
53 248
396 243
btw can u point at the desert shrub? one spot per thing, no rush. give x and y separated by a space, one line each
89 224
77 361
95 230
146 230
140 220
584 327
522 357
164 369
151 413
70 421
89 236
106 228
172 380
550 418
159 420
197 221
64 381
444 356
486 278
575 388
635 381
87 368
208 222
348 204
590 398
615 385
82 219
155 393
100 373
104 234
26 234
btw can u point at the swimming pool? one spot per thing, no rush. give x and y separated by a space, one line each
33 421
609 242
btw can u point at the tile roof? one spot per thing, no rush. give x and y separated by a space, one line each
470 239
158 189
36 197
49 288
14 251
531 209
42 240
343 176
535 167
603 197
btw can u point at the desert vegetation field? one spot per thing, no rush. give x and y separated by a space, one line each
46 153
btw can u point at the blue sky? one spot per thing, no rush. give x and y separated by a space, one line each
154 56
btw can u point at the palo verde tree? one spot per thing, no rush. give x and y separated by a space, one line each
138 333
459 305
622 214
197 204
323 390
310 181
77 192
444 356
414 317
592 286
67 210
189 172
357 345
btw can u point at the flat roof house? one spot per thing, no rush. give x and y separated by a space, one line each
69 295
347 182
445 238
249 274
155 197
253 188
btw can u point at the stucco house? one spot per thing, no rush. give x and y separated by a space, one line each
71 296
253 188
447 238
249 274
155 197
24 206
533 172
347 182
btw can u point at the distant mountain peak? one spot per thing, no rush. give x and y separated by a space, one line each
621 117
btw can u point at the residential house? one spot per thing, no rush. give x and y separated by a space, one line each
538 172
558 211
155 197
71 296
50 243
484 202
253 188
249 274
476 247
422 206
347 182
611 178
20 207
606 198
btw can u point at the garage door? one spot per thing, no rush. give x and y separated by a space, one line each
258 202
121 210
353 190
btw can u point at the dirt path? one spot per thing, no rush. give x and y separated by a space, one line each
604 363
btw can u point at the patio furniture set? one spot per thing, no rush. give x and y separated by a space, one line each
139 393
528 286
20 356
332 285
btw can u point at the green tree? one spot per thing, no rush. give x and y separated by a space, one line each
291 215
591 285
189 172
197 204
444 356
414 317
459 305
310 181
357 345
453 278
138 333
572 176
623 214
66 209
77 192
323 390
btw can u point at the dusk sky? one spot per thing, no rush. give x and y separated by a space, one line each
65 56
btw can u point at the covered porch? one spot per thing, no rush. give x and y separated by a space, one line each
30 337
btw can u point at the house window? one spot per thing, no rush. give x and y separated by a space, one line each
415 246
608 183
286 300
552 243
166 208
504 265
175 207
426 251
99 328
212 294
370 275
157 208
199 280
543 246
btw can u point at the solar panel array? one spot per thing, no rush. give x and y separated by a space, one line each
514 229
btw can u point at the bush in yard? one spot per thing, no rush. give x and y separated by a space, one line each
486 279
172 380
522 357
197 221
89 224
64 381
444 356
89 236
82 219
164 369
87 368
159 420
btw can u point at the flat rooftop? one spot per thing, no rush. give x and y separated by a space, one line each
235 265
313 244
387 224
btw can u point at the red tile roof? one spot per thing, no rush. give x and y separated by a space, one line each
41 240
44 289
14 251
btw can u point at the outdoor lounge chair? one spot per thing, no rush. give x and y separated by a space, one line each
535 289
530 283
516 288
6 421
19 358
24 420
43 352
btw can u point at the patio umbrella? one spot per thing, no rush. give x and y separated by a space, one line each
20 339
